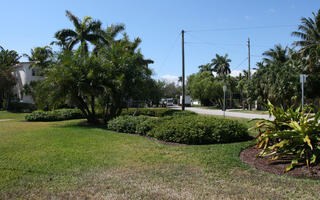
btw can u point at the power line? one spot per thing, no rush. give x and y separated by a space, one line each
242 28
170 50
215 44
200 41
240 63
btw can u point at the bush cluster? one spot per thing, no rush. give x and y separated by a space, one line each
145 127
126 124
192 129
55 115
200 130
21 107
155 112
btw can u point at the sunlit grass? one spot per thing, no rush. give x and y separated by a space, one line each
45 160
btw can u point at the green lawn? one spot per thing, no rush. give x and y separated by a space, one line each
10 115
61 160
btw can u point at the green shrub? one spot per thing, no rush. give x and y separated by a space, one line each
200 130
155 112
21 107
293 132
55 115
146 126
126 124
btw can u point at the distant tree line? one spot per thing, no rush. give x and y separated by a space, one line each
276 77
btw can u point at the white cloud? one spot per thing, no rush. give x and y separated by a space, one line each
170 78
235 73
247 17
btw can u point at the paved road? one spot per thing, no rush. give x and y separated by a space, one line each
228 114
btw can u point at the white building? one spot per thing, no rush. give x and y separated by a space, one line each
24 75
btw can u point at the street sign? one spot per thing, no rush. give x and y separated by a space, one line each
303 78
224 88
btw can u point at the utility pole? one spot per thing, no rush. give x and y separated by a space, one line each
183 91
249 74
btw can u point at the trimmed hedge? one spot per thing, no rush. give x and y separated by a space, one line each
55 115
155 112
194 129
126 124
200 130
146 126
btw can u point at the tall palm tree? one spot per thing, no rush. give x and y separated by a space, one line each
276 55
107 36
221 64
41 56
309 33
8 61
205 68
86 30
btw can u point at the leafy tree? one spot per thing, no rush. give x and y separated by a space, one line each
206 88
8 61
171 90
276 79
101 81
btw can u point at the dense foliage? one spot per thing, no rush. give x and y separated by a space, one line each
126 124
276 77
101 81
293 134
21 107
8 61
55 115
146 126
200 130
192 129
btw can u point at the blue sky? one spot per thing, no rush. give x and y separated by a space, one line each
28 24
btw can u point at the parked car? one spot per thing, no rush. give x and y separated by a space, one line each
170 102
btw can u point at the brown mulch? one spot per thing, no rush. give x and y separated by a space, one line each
278 167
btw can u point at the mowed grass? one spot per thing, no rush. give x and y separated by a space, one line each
10 115
64 160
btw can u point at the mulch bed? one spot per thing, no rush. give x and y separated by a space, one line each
278 167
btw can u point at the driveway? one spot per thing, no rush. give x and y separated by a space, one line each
227 113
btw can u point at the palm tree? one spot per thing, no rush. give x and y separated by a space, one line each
107 36
41 56
205 68
309 33
8 61
87 30
276 55
221 64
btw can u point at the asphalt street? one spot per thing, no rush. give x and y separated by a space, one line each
227 113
